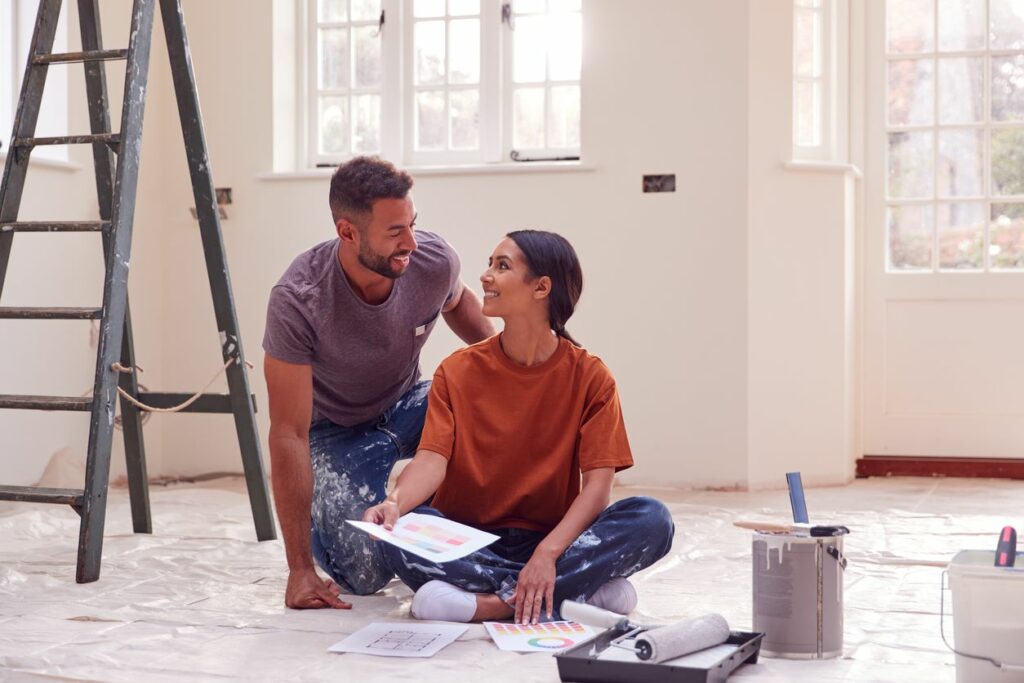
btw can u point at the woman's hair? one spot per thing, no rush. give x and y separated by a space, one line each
550 254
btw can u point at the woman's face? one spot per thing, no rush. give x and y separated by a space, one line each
508 287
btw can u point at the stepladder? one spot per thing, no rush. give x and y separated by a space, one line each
116 158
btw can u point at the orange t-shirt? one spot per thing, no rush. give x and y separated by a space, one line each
517 438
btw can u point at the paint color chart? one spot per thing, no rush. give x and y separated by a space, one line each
430 537
550 637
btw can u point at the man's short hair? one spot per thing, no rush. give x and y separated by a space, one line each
358 183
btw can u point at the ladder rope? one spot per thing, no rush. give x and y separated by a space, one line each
181 406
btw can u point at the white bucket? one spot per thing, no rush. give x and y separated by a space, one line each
988 618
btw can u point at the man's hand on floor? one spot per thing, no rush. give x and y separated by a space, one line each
306 590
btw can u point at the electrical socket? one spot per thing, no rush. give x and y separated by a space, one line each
660 183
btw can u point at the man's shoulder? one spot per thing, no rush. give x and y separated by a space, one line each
433 251
308 269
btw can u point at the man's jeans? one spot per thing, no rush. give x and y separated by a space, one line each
351 466
626 537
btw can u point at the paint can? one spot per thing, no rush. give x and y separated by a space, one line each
798 594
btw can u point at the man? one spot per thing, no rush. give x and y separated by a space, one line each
345 325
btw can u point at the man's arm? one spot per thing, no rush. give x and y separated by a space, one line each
465 316
290 394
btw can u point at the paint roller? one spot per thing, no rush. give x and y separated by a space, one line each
659 644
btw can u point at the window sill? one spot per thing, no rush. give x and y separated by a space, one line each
46 163
471 169
822 167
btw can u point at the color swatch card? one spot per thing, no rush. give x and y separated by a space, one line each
549 637
400 640
433 538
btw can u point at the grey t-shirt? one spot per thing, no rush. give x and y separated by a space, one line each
364 357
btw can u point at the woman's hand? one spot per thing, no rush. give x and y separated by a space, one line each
535 587
385 514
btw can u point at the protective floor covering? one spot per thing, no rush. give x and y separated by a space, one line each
200 599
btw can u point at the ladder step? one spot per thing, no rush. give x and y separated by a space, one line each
12 402
104 138
207 403
55 226
90 56
50 313
35 494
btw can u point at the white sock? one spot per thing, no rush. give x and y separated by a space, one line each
617 595
440 601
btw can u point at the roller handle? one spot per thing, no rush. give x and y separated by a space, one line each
1006 551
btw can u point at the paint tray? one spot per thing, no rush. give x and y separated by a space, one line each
598 661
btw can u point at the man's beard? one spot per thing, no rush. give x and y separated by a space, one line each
379 264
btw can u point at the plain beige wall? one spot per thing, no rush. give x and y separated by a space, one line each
690 297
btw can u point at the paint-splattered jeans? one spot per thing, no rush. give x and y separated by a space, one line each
351 466
626 537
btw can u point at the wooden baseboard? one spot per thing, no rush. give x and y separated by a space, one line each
913 466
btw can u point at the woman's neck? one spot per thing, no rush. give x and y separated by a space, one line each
528 342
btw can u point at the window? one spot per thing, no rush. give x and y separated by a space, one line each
443 81
954 135
17 20
816 107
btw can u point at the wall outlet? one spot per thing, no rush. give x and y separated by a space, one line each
660 183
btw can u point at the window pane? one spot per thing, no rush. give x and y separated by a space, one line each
961 89
910 25
961 163
911 92
333 10
910 237
465 117
1007 162
333 124
910 164
431 126
334 58
1006 24
961 24
428 8
464 51
528 118
1008 88
530 37
808 112
458 8
526 6
429 41
1006 236
364 10
367 57
807 43
564 116
564 47
366 136
961 236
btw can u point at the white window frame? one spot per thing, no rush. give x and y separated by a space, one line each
831 76
986 127
398 93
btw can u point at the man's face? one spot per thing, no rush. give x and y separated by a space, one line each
386 241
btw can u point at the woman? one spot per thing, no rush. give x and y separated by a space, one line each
513 425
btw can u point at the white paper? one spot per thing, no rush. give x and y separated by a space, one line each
400 640
430 537
550 637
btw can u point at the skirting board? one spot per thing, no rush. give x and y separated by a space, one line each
913 466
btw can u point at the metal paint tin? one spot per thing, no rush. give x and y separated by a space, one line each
798 595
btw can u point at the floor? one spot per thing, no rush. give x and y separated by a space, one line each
201 600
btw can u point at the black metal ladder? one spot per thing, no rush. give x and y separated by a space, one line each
116 159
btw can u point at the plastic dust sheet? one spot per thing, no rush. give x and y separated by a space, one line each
201 600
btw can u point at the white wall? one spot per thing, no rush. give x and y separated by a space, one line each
723 309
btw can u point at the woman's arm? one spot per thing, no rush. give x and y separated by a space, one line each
417 482
537 579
